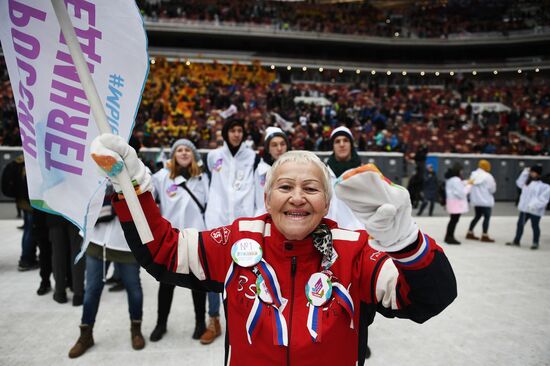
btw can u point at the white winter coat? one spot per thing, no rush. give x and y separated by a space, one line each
259 187
176 205
340 212
534 196
483 189
456 191
231 194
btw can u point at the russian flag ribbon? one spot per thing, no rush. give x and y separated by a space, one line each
342 296
315 322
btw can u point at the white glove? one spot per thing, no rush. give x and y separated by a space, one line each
112 153
382 206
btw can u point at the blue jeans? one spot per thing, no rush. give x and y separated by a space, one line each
28 245
522 220
129 274
213 304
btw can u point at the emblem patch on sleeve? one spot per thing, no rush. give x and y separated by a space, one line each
220 235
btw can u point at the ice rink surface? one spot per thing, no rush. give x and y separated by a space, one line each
501 315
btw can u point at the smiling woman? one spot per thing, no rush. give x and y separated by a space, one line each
297 193
316 284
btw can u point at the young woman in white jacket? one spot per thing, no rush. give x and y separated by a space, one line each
482 199
181 189
456 191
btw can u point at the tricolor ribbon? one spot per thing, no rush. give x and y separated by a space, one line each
253 318
342 296
315 322
268 273
228 278
280 330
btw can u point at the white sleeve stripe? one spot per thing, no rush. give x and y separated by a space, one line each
254 226
188 254
386 285
339 234
414 256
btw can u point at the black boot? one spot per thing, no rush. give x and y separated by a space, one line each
158 332
200 328
451 240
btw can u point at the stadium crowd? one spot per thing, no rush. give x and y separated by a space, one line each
439 19
192 101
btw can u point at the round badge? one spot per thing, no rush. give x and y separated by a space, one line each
246 252
318 289
263 291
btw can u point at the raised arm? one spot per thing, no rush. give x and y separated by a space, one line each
412 277
173 256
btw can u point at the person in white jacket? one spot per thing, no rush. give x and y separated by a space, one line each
456 191
532 203
108 244
275 144
230 197
181 189
482 199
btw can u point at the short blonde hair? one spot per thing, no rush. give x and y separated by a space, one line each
300 157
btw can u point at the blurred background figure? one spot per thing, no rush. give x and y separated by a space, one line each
482 199
429 190
532 203
456 191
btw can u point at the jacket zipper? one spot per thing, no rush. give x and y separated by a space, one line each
293 277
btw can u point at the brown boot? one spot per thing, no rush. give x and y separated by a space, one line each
138 342
485 238
213 331
85 341
470 235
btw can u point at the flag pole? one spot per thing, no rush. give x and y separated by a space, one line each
99 115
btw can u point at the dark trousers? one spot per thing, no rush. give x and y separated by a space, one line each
65 247
165 296
452 226
41 236
423 206
522 220
481 211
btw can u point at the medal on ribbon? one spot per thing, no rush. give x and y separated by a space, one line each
318 289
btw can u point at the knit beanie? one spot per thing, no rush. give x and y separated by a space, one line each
485 165
341 131
189 144
270 133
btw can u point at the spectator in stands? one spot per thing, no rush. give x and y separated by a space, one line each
108 244
482 199
231 196
429 190
181 188
456 191
533 200
275 144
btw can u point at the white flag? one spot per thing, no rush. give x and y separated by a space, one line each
55 120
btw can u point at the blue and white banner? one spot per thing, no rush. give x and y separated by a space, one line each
55 120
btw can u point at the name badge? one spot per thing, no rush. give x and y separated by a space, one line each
246 252
318 289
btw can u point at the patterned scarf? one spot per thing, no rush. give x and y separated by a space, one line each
322 241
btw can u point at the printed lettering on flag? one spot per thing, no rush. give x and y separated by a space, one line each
55 119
